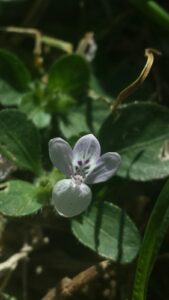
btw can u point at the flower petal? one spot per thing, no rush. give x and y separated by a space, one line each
60 154
106 167
86 148
70 199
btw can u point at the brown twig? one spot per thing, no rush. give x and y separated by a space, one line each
130 89
12 262
28 31
67 287
39 39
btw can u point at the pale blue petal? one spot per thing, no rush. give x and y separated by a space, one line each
61 154
86 148
105 168
70 199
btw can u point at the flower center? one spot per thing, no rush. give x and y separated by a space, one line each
81 168
78 179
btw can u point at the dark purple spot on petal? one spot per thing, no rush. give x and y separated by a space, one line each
87 161
79 162
76 167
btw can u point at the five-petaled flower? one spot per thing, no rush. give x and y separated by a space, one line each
83 165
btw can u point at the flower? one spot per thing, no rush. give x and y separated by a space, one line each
83 165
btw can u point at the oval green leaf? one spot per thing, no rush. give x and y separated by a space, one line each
74 124
14 78
70 74
139 132
19 198
103 227
19 140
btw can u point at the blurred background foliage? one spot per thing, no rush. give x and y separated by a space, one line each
56 92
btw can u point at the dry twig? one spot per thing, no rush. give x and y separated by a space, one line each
149 53
39 39
12 262
67 287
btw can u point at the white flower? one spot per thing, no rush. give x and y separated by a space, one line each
83 165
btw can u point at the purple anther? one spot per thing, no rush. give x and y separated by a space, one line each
79 162
87 161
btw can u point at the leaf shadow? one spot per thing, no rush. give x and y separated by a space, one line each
120 251
98 223
123 213
135 159
121 236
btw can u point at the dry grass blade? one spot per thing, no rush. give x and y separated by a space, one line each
130 89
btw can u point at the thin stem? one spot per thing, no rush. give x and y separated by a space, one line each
39 39
5 281
153 10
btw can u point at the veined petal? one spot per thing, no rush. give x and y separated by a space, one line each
70 199
61 154
106 167
86 148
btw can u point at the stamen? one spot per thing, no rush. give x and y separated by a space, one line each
78 179
82 168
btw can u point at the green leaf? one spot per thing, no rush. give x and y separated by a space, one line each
59 102
8 95
14 78
99 229
40 118
97 91
154 235
81 119
70 75
13 70
139 132
19 140
100 112
35 111
74 124
19 198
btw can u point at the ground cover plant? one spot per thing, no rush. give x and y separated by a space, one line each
84 150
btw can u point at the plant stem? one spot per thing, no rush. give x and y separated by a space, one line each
154 11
